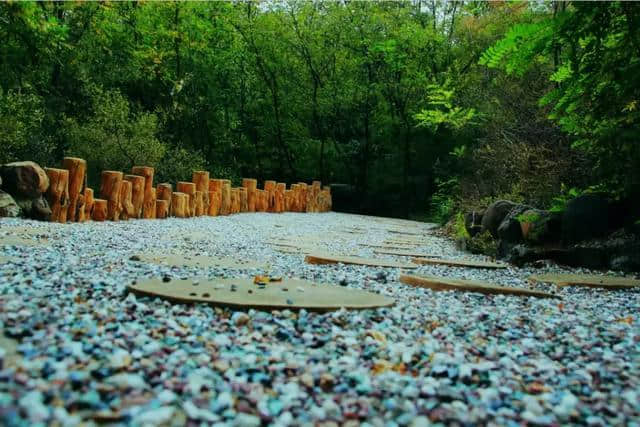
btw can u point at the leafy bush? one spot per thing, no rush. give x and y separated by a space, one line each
483 243
113 137
21 128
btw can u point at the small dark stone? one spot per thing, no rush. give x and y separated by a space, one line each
134 258
343 282
166 279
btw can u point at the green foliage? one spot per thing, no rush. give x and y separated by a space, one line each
22 135
112 136
483 243
460 231
528 217
442 112
595 49
443 201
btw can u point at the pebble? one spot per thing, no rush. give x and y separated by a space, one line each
83 346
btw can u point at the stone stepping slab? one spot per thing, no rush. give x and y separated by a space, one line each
458 263
447 284
318 258
586 280
243 293
404 252
21 241
202 261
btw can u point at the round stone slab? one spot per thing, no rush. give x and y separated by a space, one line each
202 261
586 280
446 284
319 258
458 263
290 294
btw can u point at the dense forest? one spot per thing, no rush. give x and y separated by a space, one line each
415 108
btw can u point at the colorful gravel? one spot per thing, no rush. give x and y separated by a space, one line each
76 349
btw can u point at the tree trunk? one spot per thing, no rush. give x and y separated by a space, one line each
137 193
110 184
251 185
149 204
100 210
125 200
188 188
58 193
77 170
201 179
163 192
180 204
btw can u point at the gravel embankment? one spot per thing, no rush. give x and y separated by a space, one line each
78 349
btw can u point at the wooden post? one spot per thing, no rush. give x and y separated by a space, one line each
288 200
162 208
303 196
270 188
88 202
137 193
215 190
58 193
80 215
295 192
77 169
251 185
281 187
125 200
163 192
110 183
225 204
201 179
149 203
180 204
244 199
324 200
99 210
200 203
262 203
188 188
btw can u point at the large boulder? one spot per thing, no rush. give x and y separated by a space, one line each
494 215
473 222
37 208
24 179
8 206
585 217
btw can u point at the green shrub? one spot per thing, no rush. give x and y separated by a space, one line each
483 243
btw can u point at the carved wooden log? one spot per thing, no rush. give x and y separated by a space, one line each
188 188
244 199
77 169
234 200
225 204
149 203
295 193
200 203
238 201
180 204
281 187
88 203
312 196
251 185
303 196
270 188
163 192
324 201
80 214
100 210
137 193
215 199
110 184
201 179
288 200
125 199
263 201
162 208
58 193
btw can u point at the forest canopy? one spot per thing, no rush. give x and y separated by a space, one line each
414 107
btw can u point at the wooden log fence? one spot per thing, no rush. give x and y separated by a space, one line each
134 196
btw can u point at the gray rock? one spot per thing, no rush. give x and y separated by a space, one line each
24 179
585 217
35 208
473 222
494 215
8 206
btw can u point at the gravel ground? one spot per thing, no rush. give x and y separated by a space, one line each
77 349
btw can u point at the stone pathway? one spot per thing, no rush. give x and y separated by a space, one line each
78 349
